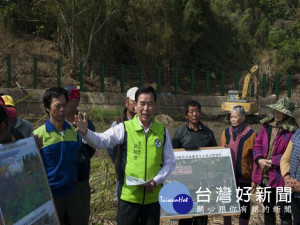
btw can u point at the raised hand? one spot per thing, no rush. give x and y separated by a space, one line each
81 123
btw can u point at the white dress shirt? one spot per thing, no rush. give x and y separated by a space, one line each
115 135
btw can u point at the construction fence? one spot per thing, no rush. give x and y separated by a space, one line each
200 81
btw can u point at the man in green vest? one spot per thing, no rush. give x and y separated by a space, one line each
146 153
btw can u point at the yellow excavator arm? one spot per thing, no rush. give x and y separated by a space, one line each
234 97
251 75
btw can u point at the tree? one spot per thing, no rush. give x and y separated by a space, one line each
76 20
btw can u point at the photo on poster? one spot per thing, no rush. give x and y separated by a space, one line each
25 196
205 176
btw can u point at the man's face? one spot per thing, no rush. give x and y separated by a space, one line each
130 105
145 107
58 108
193 114
72 106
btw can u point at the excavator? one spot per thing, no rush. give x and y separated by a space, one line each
247 98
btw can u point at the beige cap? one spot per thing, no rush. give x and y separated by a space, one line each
131 93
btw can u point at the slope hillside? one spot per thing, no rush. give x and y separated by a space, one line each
22 49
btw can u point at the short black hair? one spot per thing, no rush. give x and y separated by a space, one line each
191 103
145 90
51 93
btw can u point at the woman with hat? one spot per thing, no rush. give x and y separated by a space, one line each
270 144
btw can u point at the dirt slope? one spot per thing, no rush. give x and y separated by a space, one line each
22 49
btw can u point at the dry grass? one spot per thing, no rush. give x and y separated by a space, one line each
102 180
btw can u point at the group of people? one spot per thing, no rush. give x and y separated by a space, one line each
141 147
257 159
269 159
65 157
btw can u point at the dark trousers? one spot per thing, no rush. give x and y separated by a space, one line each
84 191
133 213
70 210
270 216
245 214
296 210
244 204
198 220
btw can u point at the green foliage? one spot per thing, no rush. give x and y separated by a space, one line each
29 16
276 9
284 36
276 36
227 34
289 55
261 35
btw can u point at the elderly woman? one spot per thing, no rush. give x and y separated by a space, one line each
290 171
240 138
270 144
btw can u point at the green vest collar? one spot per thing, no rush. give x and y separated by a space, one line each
137 126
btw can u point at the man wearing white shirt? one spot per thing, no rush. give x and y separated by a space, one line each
146 153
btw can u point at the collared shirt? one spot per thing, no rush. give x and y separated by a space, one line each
59 155
196 129
23 126
188 138
115 135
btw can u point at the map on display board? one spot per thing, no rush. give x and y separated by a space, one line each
25 196
208 177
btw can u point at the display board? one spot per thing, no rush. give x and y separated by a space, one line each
209 177
25 196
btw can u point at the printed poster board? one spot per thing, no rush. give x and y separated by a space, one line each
25 196
208 174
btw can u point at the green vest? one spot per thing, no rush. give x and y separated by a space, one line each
144 160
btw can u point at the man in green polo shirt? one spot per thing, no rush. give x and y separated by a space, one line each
59 155
146 153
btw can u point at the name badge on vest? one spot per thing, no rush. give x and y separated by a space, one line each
157 143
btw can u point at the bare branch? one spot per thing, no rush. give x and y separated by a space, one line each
92 35
39 2
63 16
88 7
93 31
102 24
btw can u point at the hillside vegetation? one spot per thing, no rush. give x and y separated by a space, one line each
225 35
